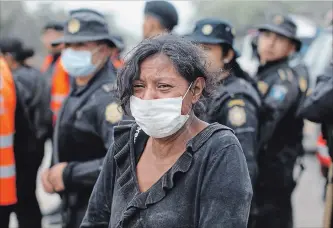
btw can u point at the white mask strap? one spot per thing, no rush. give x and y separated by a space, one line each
187 90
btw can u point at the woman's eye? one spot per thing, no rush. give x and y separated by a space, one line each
164 86
138 86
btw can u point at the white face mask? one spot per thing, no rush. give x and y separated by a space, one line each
159 118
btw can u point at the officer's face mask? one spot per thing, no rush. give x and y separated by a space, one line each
159 118
78 63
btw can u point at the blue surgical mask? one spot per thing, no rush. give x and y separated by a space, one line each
78 63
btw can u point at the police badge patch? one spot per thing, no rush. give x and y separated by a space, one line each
237 116
263 87
303 85
207 29
113 113
73 26
278 92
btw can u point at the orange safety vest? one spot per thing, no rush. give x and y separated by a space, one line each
60 85
117 63
7 129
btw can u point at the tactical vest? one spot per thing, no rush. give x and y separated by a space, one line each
7 129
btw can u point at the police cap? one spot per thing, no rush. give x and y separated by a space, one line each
15 48
213 31
85 25
164 11
283 26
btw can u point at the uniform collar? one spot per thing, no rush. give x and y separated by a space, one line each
271 64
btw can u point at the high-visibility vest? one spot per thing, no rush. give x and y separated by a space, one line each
117 63
7 129
60 85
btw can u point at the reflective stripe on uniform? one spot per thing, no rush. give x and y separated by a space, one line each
6 141
58 98
7 171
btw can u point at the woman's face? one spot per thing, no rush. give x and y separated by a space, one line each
159 79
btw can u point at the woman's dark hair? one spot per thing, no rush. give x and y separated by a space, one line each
15 48
187 59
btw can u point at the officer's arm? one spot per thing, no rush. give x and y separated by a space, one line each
41 105
242 116
318 106
35 99
86 173
279 99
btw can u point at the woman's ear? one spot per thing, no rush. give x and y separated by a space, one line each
197 89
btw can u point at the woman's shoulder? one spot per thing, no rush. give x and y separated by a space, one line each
216 137
220 133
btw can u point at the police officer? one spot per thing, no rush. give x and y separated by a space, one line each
83 130
33 92
237 102
318 107
160 17
279 134
52 31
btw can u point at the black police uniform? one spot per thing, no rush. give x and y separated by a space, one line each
279 134
318 107
236 102
301 71
83 130
34 90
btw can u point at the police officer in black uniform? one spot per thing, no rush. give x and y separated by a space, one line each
160 17
318 107
237 102
31 126
280 129
84 127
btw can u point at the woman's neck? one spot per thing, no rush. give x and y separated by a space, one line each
176 144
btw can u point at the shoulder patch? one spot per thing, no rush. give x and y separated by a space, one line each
237 116
109 87
282 74
263 87
303 84
278 92
235 102
113 114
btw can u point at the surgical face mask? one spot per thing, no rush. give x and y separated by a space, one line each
159 118
78 63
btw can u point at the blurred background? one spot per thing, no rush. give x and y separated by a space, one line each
25 19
